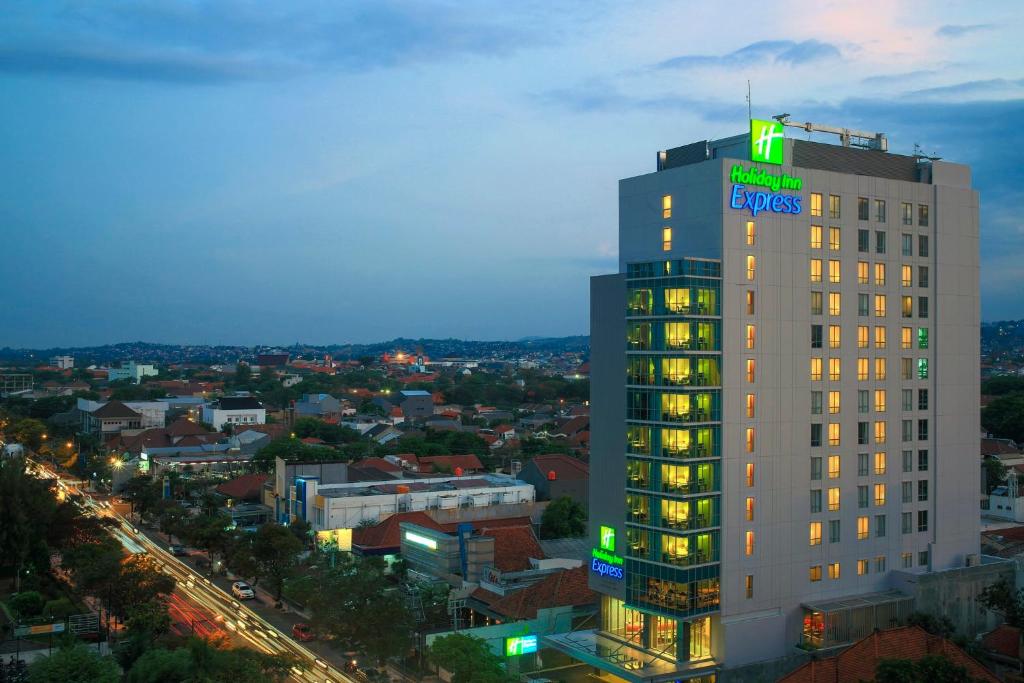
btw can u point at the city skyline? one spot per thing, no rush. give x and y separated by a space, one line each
221 174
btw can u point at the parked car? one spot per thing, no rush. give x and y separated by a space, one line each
178 550
303 632
242 590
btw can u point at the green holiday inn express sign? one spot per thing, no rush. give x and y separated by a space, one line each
767 146
766 142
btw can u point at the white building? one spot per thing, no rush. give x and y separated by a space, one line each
131 371
235 410
150 413
63 362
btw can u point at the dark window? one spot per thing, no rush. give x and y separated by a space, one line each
922 307
922 490
815 435
862 304
907 213
922 399
922 460
922 215
907 243
815 336
880 241
922 520
922 276
880 210
922 245
862 208
922 430
863 236
862 432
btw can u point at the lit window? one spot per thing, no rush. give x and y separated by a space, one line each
751 267
750 370
880 463
862 337
815 369
814 533
907 276
833 206
750 439
666 239
833 570
922 337
834 303
879 400
750 302
862 369
750 474
815 270
862 272
833 499
748 586
834 336
879 495
907 306
750 509
880 336
815 237
815 203
750 336
880 274
814 573
833 238
863 529
833 402
666 206
833 433
750 405
751 234
879 305
922 368
749 543
880 368
834 365
906 337
880 431
834 462
833 270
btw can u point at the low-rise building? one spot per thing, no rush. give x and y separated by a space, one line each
416 404
234 410
63 362
556 475
131 371
108 418
321 406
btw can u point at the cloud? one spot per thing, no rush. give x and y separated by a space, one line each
887 79
779 51
960 30
971 87
601 96
235 40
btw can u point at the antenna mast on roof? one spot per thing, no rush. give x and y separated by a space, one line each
750 113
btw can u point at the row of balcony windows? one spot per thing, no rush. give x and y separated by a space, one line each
698 371
675 479
673 300
679 598
649 405
678 551
667 513
698 442
673 336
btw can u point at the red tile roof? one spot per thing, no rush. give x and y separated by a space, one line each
563 589
1003 640
859 661
275 431
387 534
114 409
513 547
312 440
183 426
466 462
574 426
990 446
245 487
378 464
564 466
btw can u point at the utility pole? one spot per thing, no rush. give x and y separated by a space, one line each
750 109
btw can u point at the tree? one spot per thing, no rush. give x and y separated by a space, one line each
74 663
144 493
29 432
200 661
275 550
27 506
928 669
209 533
172 519
1001 597
27 604
1004 417
563 518
939 626
995 472
243 375
468 659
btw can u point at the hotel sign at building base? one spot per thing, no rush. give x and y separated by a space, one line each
606 564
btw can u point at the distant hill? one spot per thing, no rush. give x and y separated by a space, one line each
1002 336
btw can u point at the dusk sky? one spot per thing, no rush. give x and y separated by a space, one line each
226 172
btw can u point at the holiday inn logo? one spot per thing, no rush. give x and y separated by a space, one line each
766 141
608 538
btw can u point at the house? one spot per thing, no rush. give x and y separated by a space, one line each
383 433
466 464
321 406
556 475
565 588
181 433
248 488
110 419
416 404
573 426
859 661
505 432
234 410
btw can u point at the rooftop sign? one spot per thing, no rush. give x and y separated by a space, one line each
766 142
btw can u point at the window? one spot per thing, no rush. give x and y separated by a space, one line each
816 335
862 305
750 509
833 238
751 368
833 570
907 522
815 500
862 397
816 469
751 267
815 270
880 274
750 475
908 463
749 545
879 526
879 241
816 403
815 435
814 533
922 430
907 306
922 246
833 499
880 210
906 368
750 406
879 495
922 368
751 233
833 206
922 215
922 557
748 586
922 460
815 369
907 559
862 433
906 337
862 464
907 213
862 272
863 528
833 271
834 531
750 302
834 336
908 399
862 369
814 573
880 564
816 300
922 399
862 567
834 303
815 203
862 208
833 402
907 244
879 305
815 237
879 336
922 338
833 434
833 466
880 463
906 276
751 336
879 400
862 496
907 430
922 490
880 431
666 239
922 521
750 440
862 240
666 206
922 307
862 337
922 276
907 490
834 367
880 369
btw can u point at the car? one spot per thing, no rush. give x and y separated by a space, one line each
178 550
242 590
303 632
